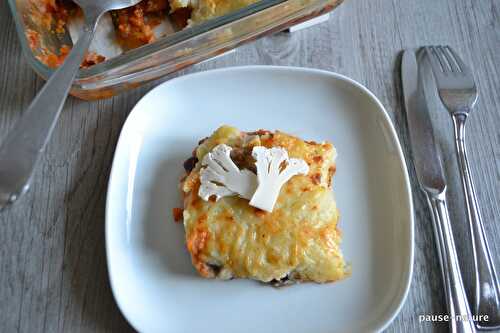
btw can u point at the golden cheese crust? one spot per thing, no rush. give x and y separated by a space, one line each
298 241
203 10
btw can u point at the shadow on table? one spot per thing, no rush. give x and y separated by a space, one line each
90 305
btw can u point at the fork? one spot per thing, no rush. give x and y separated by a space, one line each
458 92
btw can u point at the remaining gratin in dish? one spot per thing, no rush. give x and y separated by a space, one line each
203 10
293 238
170 34
133 27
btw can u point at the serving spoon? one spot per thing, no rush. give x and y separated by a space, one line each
26 142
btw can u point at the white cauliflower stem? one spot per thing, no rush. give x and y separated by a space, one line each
274 169
221 177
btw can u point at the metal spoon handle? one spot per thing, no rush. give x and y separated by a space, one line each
25 143
456 298
486 289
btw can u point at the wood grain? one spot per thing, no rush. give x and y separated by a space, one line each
53 275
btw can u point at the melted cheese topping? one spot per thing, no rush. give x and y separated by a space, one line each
299 239
203 10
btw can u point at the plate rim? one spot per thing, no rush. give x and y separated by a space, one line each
384 321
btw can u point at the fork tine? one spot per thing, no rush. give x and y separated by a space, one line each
454 66
436 64
463 67
442 58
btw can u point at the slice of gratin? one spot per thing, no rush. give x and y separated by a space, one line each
298 241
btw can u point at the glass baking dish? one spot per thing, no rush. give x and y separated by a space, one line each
173 52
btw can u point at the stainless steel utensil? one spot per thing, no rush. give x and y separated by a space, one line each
428 166
458 92
25 143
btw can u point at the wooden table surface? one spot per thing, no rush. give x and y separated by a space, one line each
53 275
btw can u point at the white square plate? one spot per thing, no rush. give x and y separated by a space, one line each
151 275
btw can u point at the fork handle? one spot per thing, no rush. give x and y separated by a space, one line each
486 288
25 143
456 299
